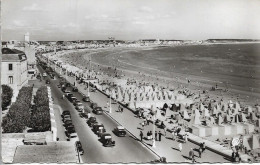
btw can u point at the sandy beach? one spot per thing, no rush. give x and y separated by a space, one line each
143 64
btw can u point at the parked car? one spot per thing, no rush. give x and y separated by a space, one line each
71 128
93 105
65 113
68 84
58 85
72 99
44 74
75 89
98 129
120 131
75 102
83 115
66 117
79 147
68 95
71 135
106 140
98 110
79 106
47 81
86 99
67 123
91 121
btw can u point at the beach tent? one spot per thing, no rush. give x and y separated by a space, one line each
220 120
255 142
205 113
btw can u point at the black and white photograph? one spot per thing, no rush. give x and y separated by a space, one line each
130 81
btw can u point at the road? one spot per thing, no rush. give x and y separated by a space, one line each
126 150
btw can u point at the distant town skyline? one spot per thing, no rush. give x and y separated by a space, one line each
53 20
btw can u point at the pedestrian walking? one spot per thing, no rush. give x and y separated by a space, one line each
142 125
160 136
191 154
141 135
203 147
199 152
122 109
148 135
185 138
155 135
180 147
63 96
107 104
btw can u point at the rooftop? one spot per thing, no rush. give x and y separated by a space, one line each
53 152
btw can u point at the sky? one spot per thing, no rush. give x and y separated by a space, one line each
130 19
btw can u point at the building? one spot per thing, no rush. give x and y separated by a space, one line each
14 69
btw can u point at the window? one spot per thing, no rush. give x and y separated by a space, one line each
10 66
10 79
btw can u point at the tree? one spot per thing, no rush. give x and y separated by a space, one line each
7 94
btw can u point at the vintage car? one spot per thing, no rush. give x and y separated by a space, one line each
67 123
83 115
66 117
93 105
68 84
106 140
75 89
75 102
98 110
48 82
120 131
65 113
79 106
79 147
86 99
68 95
71 135
98 129
72 99
91 121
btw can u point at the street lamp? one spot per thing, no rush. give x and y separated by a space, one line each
154 146
88 89
110 108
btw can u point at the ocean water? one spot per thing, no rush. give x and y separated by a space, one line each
231 66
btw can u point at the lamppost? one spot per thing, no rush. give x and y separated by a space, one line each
110 108
154 146
88 89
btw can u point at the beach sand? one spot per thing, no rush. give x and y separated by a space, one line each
111 62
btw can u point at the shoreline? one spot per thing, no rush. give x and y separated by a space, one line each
232 94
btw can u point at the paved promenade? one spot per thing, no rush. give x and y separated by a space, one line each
165 148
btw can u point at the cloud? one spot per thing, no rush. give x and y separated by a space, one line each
33 7
146 9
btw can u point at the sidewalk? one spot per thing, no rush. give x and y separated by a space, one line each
166 148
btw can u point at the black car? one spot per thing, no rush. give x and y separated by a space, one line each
72 99
99 129
75 102
83 115
75 89
86 99
98 110
91 121
93 105
120 131
67 123
106 140
79 147
48 82
65 113
68 85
